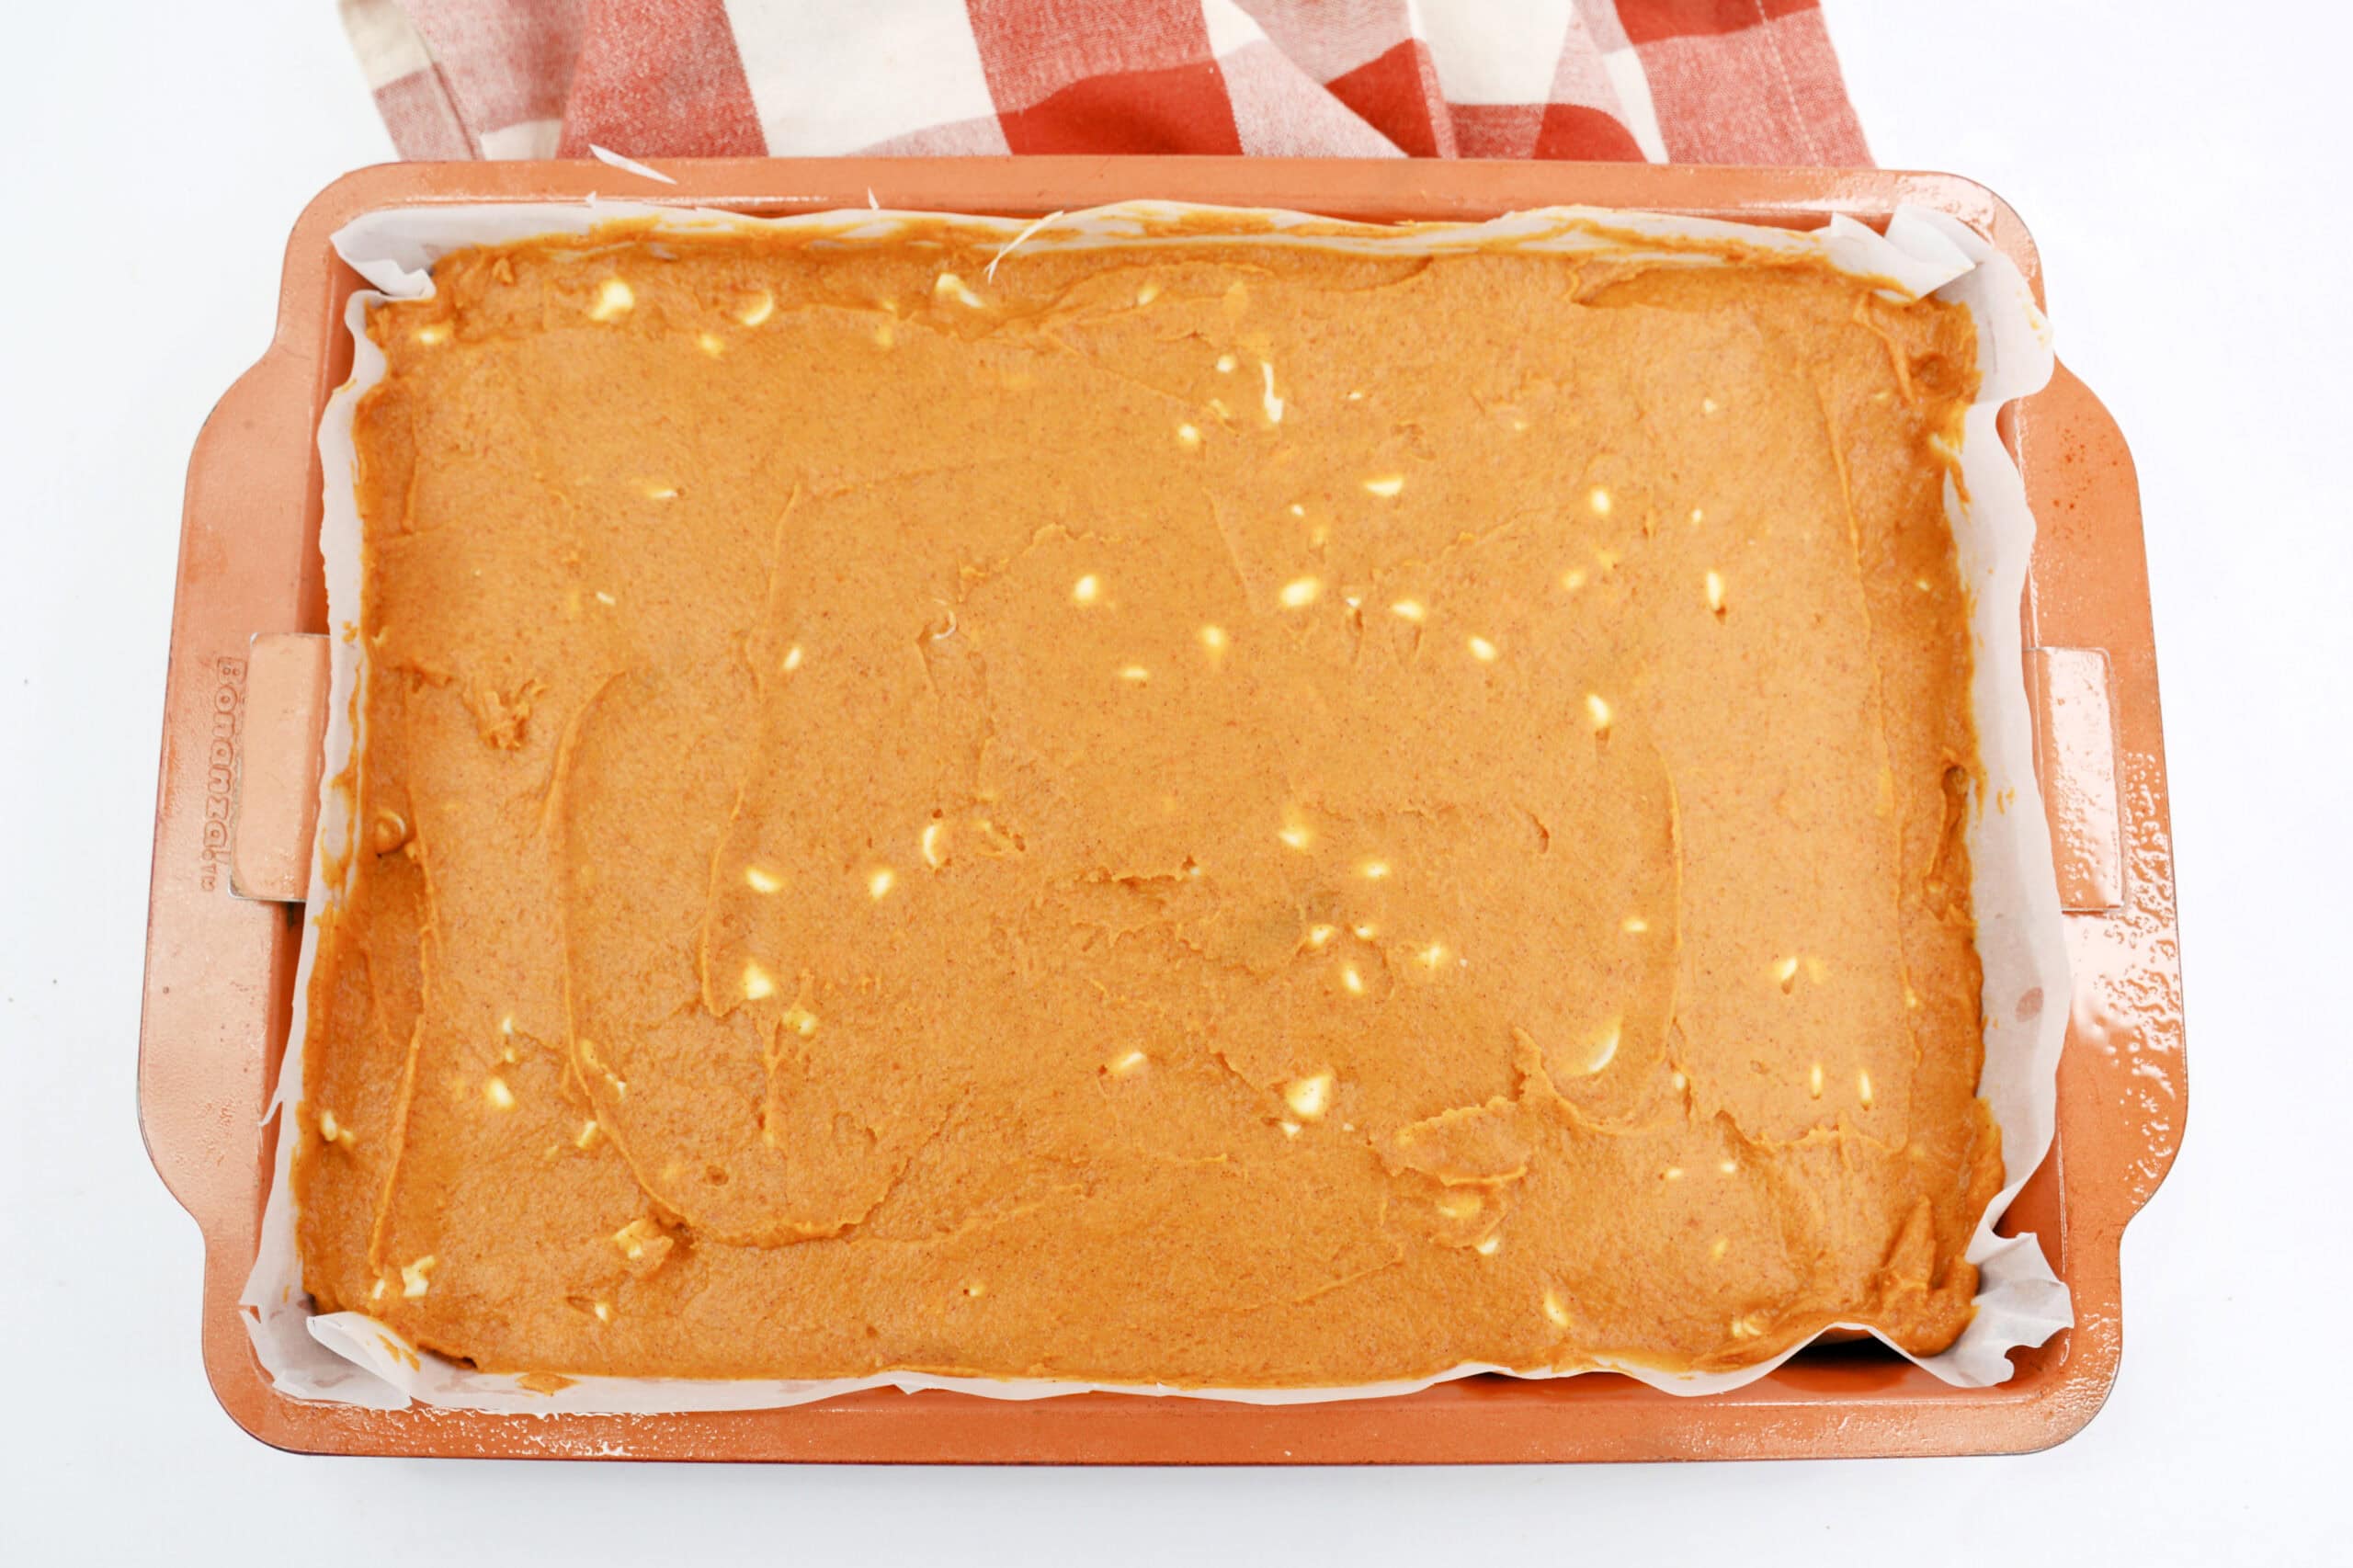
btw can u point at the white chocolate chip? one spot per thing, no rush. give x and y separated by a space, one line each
644 1244
614 299
1309 1097
1299 593
1605 1050
414 1280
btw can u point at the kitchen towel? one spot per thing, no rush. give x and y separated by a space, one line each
1664 81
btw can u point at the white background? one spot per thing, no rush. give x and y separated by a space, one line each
2187 181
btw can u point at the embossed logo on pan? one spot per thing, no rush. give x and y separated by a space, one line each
224 730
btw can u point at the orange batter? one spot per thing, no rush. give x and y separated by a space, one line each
1201 814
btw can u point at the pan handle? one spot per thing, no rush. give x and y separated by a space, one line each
2100 753
214 1006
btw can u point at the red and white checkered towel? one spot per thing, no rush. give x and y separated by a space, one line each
1684 81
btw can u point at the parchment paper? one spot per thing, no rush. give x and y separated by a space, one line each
349 1357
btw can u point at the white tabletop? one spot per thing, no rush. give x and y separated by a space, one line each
2126 146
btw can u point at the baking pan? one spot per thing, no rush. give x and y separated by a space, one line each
240 762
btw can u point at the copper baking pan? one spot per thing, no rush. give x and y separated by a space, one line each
240 763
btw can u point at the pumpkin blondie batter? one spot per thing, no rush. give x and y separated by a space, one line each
1202 812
